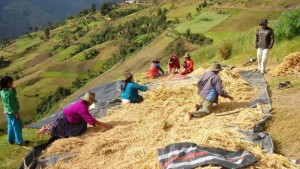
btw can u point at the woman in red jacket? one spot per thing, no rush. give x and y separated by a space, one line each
154 70
188 65
173 63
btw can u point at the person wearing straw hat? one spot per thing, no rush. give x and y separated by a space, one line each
154 70
173 63
264 41
188 65
73 119
130 91
210 87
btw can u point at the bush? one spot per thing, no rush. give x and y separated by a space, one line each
90 54
288 24
197 38
225 50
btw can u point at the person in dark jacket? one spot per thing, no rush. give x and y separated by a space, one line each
130 92
264 41
210 87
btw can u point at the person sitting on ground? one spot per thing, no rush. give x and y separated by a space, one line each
130 90
154 69
11 110
188 65
72 120
173 63
210 87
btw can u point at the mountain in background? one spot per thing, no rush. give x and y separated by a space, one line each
16 16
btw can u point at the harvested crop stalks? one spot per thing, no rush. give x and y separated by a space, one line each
290 65
140 129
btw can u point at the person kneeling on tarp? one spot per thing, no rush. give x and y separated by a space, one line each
188 65
73 120
130 90
154 69
210 87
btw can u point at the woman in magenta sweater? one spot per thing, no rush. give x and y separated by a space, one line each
73 120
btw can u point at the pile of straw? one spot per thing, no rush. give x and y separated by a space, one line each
290 65
140 129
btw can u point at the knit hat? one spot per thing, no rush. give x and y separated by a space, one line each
263 22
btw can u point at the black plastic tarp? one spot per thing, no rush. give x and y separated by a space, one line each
188 155
106 95
257 135
256 79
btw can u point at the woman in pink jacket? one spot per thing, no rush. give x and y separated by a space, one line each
73 120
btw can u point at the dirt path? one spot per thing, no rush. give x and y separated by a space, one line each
285 122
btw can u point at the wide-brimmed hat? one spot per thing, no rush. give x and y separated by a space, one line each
156 61
263 22
216 67
90 97
127 75
187 55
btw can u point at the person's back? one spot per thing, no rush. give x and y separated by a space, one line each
131 92
10 101
78 112
154 69
210 88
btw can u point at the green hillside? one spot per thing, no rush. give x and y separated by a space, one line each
92 49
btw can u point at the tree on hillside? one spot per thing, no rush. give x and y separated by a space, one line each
93 8
106 7
47 33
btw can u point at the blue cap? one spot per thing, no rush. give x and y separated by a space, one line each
264 22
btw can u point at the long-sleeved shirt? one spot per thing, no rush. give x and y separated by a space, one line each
158 67
10 101
213 87
264 38
154 70
131 92
77 112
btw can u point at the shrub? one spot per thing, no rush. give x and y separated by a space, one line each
288 24
225 50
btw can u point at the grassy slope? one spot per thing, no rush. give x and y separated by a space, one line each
199 25
203 57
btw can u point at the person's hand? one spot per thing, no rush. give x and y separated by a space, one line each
107 125
18 116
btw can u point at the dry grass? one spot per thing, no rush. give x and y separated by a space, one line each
290 65
140 129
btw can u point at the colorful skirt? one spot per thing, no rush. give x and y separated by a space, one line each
62 128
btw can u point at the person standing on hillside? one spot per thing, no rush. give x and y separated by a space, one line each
154 70
188 65
11 110
173 63
210 87
130 91
264 41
